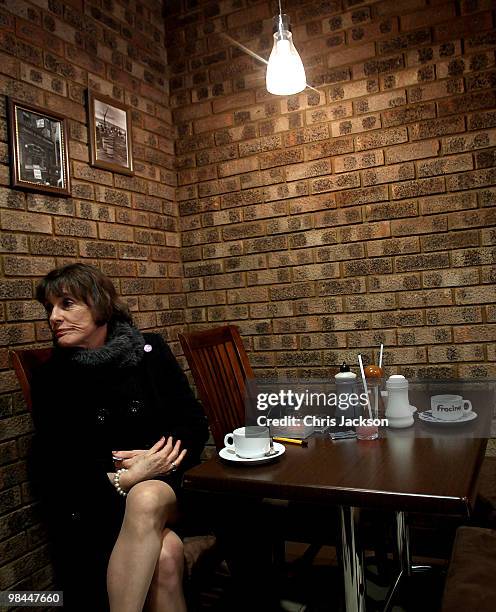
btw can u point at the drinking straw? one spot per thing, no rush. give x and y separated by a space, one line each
380 356
365 385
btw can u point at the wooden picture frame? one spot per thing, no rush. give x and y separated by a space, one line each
110 134
39 151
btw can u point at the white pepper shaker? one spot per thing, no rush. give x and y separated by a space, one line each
398 411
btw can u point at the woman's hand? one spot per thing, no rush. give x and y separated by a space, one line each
125 458
161 459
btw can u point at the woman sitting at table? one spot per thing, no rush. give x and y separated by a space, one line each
106 391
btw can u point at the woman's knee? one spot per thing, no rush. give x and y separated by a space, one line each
152 500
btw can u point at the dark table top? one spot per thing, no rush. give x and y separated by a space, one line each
400 471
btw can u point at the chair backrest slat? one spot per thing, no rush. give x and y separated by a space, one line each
219 365
25 361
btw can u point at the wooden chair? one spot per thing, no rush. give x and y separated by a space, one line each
220 367
25 361
470 581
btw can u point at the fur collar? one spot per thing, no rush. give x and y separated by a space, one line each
123 348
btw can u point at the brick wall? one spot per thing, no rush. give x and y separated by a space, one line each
51 51
322 224
326 223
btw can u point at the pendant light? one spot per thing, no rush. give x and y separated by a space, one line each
285 72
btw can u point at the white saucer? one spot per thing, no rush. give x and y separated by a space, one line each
428 418
228 454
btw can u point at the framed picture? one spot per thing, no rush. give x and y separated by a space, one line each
110 134
38 142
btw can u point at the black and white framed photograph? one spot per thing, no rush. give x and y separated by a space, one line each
39 153
110 134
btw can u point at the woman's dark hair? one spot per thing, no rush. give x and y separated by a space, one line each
88 284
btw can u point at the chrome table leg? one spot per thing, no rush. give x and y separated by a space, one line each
352 559
404 559
403 544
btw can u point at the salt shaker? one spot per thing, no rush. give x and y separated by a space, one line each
345 385
398 412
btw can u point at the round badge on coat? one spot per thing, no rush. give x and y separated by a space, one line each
147 348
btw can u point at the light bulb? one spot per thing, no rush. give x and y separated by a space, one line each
285 72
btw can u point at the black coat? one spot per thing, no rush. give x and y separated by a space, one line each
81 415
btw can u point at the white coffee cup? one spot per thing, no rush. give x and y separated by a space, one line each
449 407
248 442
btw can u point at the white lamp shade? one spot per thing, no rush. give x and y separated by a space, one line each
285 72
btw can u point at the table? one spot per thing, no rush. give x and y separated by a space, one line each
400 472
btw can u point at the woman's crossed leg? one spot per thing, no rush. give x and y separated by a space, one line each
146 564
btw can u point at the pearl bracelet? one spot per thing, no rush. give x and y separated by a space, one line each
117 477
